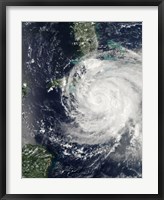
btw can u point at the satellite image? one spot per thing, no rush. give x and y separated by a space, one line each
81 99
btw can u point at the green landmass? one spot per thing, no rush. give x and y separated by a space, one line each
24 89
85 37
35 161
56 83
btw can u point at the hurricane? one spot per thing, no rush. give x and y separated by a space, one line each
103 99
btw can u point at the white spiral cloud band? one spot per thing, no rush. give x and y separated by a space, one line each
102 97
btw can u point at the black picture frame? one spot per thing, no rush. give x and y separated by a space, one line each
3 120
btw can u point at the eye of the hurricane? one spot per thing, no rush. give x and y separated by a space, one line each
102 99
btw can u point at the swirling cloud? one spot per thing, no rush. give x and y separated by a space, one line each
102 97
